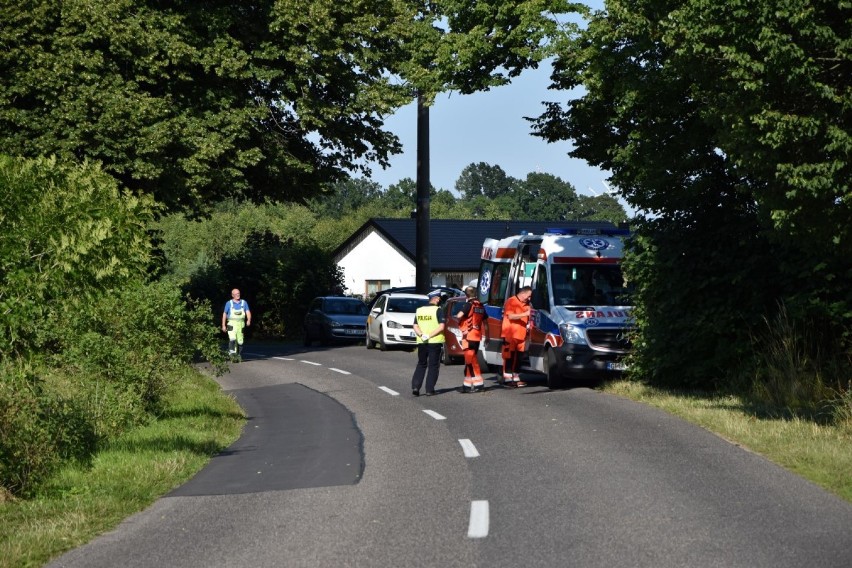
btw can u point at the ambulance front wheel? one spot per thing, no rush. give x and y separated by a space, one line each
555 379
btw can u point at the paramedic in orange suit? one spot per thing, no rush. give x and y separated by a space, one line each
471 318
516 318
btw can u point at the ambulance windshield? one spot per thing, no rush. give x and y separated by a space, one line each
586 285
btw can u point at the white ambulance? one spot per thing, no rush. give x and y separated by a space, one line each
581 319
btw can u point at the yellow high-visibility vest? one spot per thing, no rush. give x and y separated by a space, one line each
427 320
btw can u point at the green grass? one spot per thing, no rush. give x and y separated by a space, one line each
80 502
819 452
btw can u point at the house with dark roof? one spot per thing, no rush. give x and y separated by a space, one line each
382 252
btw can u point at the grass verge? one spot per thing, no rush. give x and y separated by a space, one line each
820 453
84 500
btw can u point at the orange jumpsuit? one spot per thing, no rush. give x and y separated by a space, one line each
471 328
514 333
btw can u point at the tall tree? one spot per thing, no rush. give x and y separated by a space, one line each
192 102
730 122
600 208
484 180
346 195
400 196
546 197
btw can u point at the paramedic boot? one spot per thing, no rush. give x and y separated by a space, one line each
232 348
478 384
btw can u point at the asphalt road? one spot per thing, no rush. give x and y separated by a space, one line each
339 465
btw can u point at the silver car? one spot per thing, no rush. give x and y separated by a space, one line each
391 320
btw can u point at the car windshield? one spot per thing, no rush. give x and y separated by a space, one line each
581 285
405 305
346 307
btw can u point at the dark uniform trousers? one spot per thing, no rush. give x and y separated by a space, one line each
428 358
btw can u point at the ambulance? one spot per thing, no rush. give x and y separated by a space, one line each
581 319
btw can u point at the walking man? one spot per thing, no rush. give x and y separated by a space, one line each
516 318
235 317
429 327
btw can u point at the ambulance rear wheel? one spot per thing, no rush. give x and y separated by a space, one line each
555 379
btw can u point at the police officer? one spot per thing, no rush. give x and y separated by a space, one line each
471 316
429 327
235 317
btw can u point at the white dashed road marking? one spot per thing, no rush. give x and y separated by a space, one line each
435 415
478 527
468 448
479 514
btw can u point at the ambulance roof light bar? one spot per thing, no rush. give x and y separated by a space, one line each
587 231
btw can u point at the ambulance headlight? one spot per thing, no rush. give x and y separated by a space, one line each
572 334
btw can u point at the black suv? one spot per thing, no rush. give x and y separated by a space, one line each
332 318
450 293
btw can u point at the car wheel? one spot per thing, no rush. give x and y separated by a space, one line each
370 343
555 379
307 340
382 345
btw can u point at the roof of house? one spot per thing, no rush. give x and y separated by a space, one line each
456 245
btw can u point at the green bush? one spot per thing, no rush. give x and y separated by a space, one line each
701 284
40 427
192 246
114 362
267 251
88 348
135 338
68 231
278 277
842 407
801 366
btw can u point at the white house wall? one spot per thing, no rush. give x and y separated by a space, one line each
374 258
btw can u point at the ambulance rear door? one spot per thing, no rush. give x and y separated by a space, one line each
497 259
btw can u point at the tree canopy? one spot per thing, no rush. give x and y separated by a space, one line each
730 122
483 179
199 102
195 102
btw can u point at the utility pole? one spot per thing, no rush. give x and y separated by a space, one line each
423 275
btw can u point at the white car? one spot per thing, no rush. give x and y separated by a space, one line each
391 320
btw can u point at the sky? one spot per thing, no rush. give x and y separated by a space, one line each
490 127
